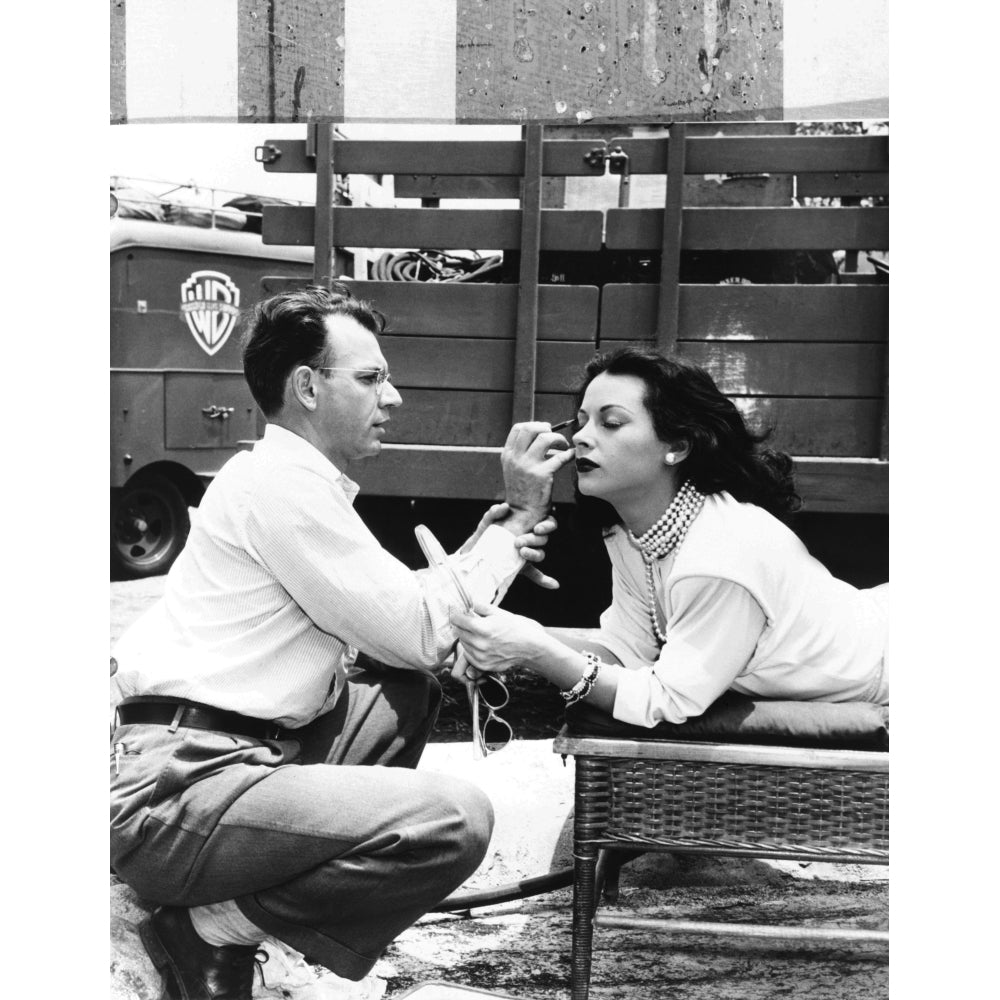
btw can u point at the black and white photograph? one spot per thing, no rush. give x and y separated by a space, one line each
499 532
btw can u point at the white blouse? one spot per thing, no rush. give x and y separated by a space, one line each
746 608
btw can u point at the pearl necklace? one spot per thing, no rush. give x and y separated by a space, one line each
666 536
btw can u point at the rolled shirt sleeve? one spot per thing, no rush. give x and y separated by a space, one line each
336 571
713 627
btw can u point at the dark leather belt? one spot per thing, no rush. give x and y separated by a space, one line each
166 712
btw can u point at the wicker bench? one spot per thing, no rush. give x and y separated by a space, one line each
792 780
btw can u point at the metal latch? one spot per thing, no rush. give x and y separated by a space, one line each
214 412
266 153
618 163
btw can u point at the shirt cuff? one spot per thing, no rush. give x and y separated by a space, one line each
495 552
641 701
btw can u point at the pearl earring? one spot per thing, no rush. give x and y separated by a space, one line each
671 458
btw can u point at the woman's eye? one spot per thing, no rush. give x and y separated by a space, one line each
611 425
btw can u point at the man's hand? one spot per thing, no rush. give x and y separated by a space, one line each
531 456
530 545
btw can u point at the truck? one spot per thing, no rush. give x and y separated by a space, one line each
741 247
179 404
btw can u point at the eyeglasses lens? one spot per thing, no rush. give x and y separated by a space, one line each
493 692
496 732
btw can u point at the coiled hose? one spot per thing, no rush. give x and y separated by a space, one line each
435 265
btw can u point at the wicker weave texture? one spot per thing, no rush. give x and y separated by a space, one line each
726 804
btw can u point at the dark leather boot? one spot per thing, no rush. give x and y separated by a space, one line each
193 969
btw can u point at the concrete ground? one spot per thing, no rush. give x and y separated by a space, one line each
523 949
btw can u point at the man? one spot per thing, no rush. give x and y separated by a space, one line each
255 673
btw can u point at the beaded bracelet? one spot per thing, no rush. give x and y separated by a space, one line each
585 684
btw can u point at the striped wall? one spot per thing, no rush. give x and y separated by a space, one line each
497 61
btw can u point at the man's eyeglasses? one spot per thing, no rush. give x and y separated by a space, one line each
379 376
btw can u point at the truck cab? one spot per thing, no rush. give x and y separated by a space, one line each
179 404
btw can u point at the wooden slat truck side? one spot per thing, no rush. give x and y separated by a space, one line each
468 358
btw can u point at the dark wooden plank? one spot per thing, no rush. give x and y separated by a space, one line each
460 363
753 228
831 427
432 228
560 157
526 342
757 312
438 186
668 299
460 309
867 278
429 471
743 368
841 185
323 231
290 66
795 154
466 417
844 486
617 60
808 426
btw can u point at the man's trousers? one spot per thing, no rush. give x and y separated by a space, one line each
330 842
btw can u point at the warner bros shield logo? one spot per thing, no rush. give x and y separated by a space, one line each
210 302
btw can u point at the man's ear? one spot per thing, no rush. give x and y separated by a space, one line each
302 387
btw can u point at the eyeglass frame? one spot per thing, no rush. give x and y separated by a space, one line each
479 728
382 375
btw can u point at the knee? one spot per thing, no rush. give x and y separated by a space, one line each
464 823
477 819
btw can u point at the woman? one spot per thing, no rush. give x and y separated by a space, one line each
710 590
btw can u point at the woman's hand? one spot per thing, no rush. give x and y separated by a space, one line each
494 640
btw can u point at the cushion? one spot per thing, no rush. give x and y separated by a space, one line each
735 718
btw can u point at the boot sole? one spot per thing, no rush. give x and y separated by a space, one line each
164 965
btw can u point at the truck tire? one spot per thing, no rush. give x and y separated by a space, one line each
149 526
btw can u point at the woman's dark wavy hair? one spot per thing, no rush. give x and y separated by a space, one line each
685 404
289 329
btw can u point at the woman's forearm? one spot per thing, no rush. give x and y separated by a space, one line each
561 662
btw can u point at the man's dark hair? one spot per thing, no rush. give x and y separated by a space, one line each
289 329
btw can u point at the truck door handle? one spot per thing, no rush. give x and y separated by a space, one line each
214 412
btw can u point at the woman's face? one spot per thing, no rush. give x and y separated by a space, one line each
618 455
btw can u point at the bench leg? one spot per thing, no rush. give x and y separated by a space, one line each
610 862
584 905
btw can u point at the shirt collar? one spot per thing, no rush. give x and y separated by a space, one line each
290 443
